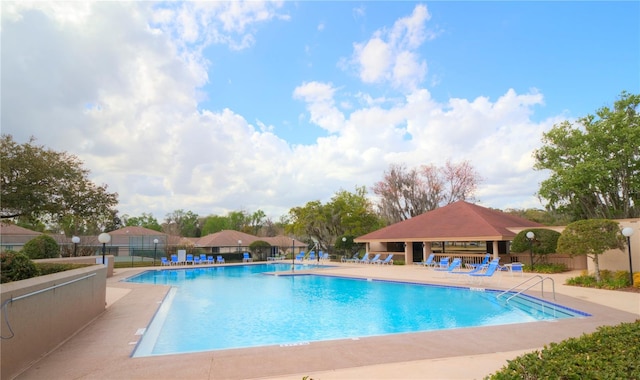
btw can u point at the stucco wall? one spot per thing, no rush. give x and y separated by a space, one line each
40 318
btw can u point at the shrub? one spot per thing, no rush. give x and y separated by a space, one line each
49 268
609 280
544 242
16 266
41 247
611 352
546 268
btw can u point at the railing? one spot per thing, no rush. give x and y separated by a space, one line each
540 281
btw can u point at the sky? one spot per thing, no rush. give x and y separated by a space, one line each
219 106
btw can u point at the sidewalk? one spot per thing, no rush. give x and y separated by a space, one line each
103 349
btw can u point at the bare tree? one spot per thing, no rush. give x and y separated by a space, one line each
405 193
461 180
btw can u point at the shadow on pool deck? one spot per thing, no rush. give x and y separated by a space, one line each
103 349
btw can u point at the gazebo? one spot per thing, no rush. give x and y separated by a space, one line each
457 222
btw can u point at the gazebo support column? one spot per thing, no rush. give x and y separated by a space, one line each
408 252
496 253
426 250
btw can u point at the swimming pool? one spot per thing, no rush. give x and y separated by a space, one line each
213 308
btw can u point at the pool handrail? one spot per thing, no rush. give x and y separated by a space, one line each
540 281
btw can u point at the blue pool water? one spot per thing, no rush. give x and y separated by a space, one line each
214 308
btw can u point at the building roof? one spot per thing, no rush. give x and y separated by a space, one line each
459 221
226 238
12 229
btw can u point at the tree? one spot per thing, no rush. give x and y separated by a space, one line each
594 163
214 223
405 193
544 243
145 220
41 247
346 214
183 223
591 237
42 184
260 248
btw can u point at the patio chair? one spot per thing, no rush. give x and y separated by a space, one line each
246 257
364 259
189 259
455 264
491 269
484 262
351 260
211 260
517 268
164 261
374 260
429 262
203 258
325 257
443 264
387 260
312 256
300 256
174 259
220 259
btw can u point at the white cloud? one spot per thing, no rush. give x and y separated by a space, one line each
389 55
118 85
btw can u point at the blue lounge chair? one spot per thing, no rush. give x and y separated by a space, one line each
203 258
387 260
164 261
211 260
479 268
351 260
491 269
196 260
300 256
246 258
374 260
364 259
455 264
174 259
220 259
484 263
443 264
325 256
429 262
312 256
189 259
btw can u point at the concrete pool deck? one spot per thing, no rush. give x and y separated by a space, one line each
102 349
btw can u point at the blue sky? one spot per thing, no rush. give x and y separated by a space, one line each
221 106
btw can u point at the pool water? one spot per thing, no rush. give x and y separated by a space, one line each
213 308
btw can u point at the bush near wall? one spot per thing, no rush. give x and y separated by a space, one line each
14 266
611 352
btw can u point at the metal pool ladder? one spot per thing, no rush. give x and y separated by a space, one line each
540 281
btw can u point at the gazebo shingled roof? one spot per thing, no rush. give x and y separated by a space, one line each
459 221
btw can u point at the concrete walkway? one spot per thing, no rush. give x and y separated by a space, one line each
102 350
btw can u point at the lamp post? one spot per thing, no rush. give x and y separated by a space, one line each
344 246
531 236
155 249
104 238
627 232
293 255
239 243
75 241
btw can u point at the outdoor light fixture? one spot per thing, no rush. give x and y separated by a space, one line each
75 241
627 232
104 238
155 249
531 236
